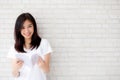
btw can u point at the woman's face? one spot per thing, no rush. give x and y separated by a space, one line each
27 30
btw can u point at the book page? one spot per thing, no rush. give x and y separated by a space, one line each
34 59
25 59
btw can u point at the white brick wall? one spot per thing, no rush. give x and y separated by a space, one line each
84 34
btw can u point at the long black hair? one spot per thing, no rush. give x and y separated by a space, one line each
19 39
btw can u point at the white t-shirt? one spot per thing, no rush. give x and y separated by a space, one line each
30 69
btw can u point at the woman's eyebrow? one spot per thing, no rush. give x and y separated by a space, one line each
30 24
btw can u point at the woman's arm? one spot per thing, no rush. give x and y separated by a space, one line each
16 65
44 64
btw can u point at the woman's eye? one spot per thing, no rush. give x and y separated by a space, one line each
30 26
23 28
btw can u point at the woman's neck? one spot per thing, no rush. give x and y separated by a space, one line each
27 44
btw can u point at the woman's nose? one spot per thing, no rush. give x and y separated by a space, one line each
26 30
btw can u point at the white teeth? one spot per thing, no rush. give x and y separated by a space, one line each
27 34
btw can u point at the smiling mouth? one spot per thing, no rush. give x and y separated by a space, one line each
27 34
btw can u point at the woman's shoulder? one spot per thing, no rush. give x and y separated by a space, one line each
43 42
45 47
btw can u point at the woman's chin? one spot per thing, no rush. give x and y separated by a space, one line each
27 37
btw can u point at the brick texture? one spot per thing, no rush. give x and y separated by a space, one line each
84 35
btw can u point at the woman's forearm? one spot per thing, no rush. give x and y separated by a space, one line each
46 68
44 64
15 68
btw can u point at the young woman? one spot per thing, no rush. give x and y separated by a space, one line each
27 44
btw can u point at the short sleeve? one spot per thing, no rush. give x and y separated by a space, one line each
46 48
11 53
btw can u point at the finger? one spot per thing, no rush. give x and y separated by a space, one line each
39 61
20 64
40 58
19 61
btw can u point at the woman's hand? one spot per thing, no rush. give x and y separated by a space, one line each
41 63
16 65
44 64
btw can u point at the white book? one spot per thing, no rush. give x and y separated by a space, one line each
29 61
